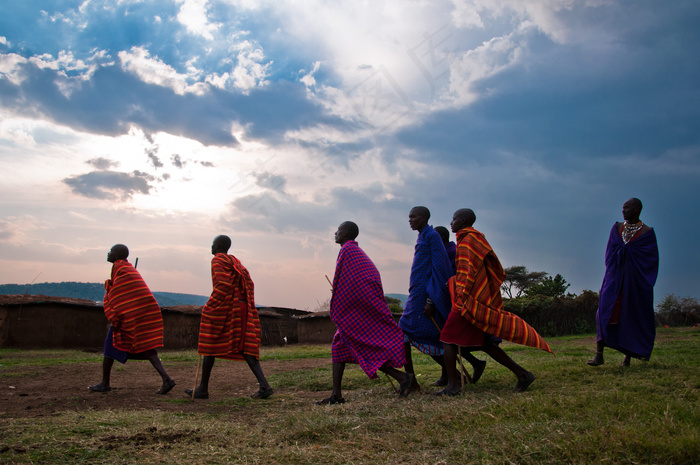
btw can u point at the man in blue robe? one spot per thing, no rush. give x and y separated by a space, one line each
428 304
625 318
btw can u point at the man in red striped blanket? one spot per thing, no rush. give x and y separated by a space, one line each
367 332
136 322
230 327
477 314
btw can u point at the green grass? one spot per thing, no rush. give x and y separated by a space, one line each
648 413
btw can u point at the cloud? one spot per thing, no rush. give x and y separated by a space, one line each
177 161
193 15
155 71
110 185
152 154
270 181
102 163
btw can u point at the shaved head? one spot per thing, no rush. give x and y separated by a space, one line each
463 218
221 244
351 229
118 252
422 212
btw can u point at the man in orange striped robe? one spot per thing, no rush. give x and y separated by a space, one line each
477 314
230 327
136 322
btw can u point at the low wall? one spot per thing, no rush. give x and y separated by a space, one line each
54 322
317 327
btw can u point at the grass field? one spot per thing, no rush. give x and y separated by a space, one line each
648 413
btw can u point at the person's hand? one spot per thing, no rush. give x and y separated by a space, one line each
429 309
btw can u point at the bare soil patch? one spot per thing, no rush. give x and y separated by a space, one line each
40 391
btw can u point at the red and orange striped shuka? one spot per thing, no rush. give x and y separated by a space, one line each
476 292
129 305
230 326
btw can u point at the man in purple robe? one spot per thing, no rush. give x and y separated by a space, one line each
625 318
367 333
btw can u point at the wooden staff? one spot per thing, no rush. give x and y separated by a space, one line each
459 354
196 375
136 263
392 383
329 282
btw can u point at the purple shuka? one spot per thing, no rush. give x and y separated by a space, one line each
630 274
367 333
429 274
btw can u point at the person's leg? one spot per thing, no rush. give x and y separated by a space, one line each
409 360
409 366
626 361
405 380
265 390
168 382
338 371
525 378
336 396
598 359
202 391
454 385
477 365
103 386
442 380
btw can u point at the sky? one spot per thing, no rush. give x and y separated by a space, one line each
161 124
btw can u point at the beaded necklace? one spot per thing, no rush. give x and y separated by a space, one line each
629 230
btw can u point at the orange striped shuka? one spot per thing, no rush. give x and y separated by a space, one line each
137 323
476 292
230 326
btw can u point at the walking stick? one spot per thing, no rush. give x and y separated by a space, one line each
392 383
459 353
459 357
196 375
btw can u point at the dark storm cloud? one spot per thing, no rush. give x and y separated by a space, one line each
110 185
114 100
636 92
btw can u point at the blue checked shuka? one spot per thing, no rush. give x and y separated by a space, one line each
367 333
429 275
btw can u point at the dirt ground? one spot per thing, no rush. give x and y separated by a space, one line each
42 391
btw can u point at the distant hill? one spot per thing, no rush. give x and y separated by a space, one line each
402 297
95 291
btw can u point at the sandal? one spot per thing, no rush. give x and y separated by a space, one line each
99 388
525 383
197 394
597 360
478 371
405 387
262 393
166 387
331 400
445 392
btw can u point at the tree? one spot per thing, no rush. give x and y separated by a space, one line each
550 287
518 279
678 311
395 305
